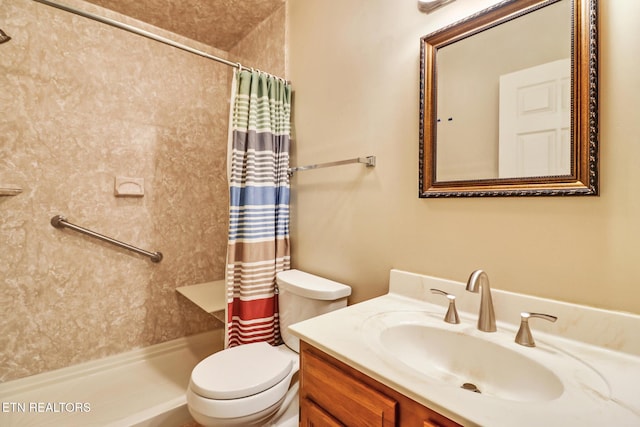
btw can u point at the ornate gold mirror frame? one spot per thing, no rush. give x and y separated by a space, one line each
583 178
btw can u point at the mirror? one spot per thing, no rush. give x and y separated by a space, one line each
509 102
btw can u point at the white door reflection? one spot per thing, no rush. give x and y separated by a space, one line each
535 121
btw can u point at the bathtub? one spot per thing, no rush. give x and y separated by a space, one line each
142 388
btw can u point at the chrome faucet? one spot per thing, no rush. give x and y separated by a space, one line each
486 316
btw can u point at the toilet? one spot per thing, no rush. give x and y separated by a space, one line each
251 384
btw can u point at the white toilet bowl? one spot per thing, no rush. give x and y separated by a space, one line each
256 384
243 385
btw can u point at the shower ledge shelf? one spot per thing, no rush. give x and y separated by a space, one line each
10 190
209 296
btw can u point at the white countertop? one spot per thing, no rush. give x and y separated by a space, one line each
612 353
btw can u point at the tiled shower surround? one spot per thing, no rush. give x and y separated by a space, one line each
80 104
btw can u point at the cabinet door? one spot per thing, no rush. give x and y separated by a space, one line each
335 394
347 399
311 415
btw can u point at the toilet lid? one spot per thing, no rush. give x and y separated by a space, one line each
240 371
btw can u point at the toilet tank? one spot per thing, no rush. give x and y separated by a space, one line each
303 296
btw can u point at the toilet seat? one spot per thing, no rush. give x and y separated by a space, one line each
240 371
240 381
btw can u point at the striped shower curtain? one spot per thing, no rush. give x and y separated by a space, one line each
258 248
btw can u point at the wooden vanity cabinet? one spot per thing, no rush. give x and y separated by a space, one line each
333 394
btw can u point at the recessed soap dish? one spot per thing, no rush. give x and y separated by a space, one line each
128 187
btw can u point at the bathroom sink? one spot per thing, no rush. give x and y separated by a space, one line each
489 364
478 365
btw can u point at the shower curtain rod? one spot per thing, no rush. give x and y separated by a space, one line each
149 35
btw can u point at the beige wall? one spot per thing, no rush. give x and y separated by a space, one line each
355 70
81 103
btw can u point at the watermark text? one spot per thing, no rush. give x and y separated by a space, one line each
45 407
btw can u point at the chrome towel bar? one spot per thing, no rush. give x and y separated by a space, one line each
59 221
370 161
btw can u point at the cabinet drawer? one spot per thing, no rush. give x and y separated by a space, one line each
352 402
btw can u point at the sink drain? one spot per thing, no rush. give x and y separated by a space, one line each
470 387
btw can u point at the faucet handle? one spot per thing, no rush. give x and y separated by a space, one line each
524 337
452 313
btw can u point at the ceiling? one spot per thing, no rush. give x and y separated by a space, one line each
217 23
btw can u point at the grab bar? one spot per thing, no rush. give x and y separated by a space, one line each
370 161
59 221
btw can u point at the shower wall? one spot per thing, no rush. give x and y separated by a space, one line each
266 46
80 104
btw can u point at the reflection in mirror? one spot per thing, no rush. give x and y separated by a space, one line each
503 109
501 115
